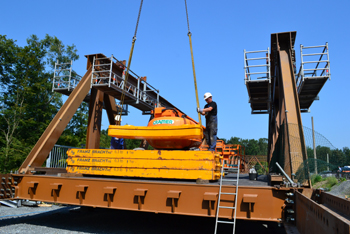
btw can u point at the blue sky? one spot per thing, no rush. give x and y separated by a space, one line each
221 31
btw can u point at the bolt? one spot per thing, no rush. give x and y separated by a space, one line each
289 201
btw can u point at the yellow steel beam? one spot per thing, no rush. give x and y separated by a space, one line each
144 154
147 173
144 163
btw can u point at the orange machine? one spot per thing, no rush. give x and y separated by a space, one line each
230 152
168 129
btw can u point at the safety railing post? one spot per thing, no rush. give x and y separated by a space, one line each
302 63
110 72
269 65
70 74
328 63
92 73
54 76
157 98
144 90
138 90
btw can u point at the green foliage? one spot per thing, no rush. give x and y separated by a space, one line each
315 179
252 146
331 181
26 98
105 140
260 170
342 179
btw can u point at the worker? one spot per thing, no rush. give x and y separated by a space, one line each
117 143
210 111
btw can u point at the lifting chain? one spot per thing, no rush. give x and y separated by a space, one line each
128 66
194 71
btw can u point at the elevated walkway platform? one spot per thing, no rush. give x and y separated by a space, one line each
108 76
258 80
313 74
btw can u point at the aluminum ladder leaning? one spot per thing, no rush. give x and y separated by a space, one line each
235 194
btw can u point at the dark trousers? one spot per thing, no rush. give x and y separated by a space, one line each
211 132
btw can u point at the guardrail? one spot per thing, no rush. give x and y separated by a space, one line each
253 65
103 75
314 64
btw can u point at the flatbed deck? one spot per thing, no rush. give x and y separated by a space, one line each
155 195
243 180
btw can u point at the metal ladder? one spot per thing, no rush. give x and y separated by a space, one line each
228 170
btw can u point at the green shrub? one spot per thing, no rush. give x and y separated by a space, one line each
260 170
342 179
331 181
315 179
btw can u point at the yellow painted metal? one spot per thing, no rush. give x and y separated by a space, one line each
146 173
162 132
144 163
144 154
171 164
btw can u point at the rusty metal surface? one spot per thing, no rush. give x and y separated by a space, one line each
111 108
337 204
315 218
6 187
94 119
48 139
159 197
286 109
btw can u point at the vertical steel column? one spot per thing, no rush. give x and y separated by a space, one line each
94 120
288 109
111 108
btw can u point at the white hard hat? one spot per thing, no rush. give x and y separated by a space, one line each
207 95
118 117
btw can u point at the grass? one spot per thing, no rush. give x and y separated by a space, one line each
316 178
331 181
327 183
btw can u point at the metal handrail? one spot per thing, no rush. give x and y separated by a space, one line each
248 68
111 77
302 71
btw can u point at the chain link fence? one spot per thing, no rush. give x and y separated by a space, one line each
297 158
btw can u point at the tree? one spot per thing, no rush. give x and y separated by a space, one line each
27 101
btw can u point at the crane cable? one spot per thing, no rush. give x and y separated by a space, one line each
128 66
189 34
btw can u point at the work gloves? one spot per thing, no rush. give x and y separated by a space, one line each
199 110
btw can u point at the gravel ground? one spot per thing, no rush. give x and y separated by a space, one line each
341 189
72 219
